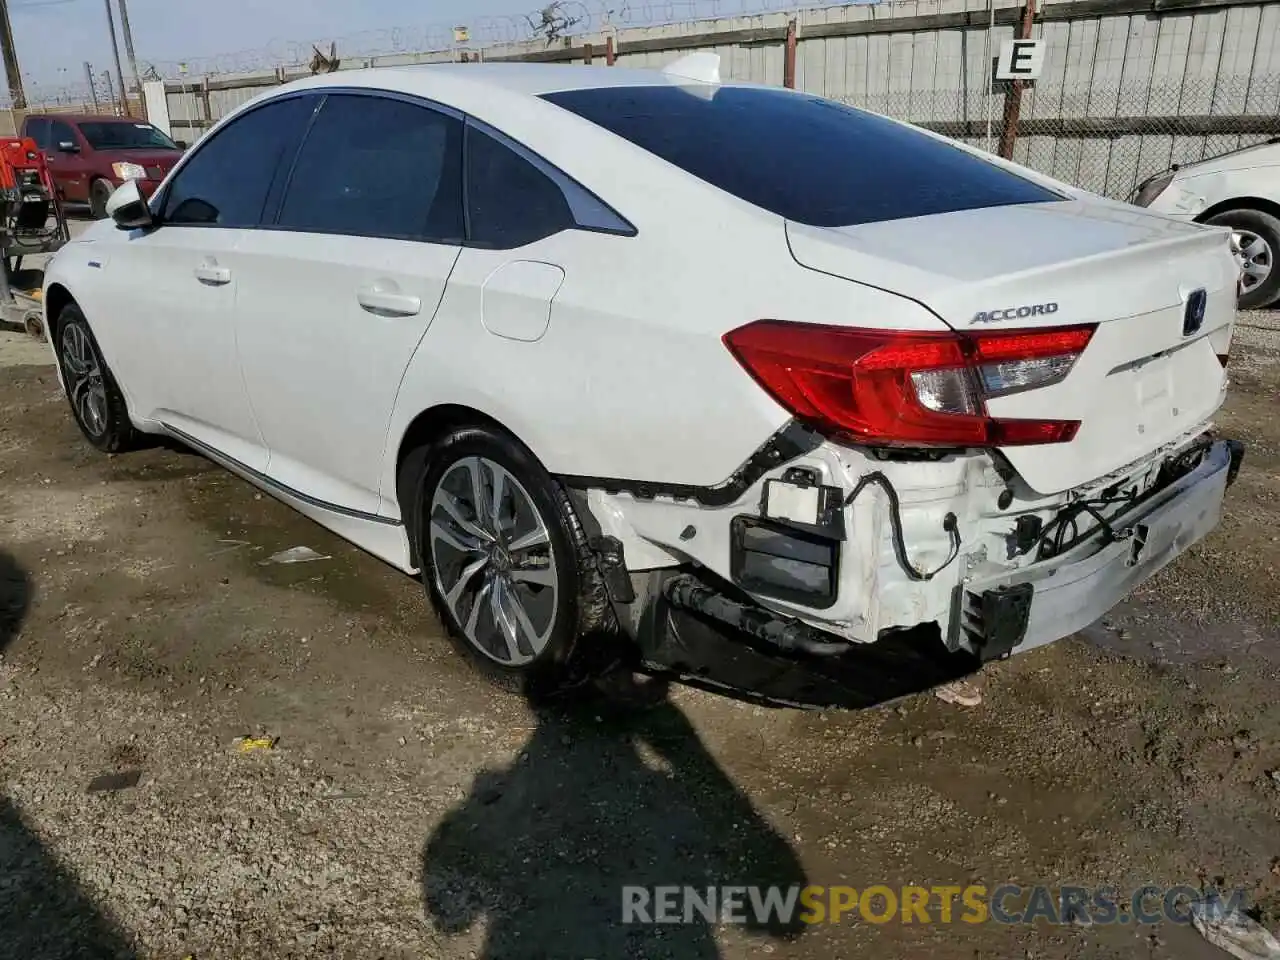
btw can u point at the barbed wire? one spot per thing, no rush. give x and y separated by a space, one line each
580 16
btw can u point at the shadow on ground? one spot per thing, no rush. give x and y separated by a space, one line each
597 801
43 913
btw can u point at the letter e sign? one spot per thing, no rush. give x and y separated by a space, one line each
1020 60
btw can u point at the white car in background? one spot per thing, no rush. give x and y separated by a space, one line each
1240 190
646 362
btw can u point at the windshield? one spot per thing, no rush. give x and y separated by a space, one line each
125 136
804 158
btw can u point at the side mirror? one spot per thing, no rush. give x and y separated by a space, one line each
66 146
128 207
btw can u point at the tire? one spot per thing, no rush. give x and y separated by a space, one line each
473 565
1260 231
96 401
99 193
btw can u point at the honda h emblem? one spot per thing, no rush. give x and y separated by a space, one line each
1193 315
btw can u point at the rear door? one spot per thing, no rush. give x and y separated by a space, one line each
335 298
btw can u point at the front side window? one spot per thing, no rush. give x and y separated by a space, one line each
120 135
376 166
799 156
510 202
61 133
226 181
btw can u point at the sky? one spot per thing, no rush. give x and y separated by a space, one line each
55 37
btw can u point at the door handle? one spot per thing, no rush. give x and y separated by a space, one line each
213 274
387 304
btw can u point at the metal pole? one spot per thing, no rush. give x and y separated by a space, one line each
1013 99
93 87
128 47
991 29
111 93
12 72
789 57
115 50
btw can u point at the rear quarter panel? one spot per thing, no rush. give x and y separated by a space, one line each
631 379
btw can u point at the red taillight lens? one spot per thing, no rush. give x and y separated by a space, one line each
909 388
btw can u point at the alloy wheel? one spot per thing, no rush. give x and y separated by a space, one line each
1258 259
494 564
85 384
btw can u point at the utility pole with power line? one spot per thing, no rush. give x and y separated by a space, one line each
111 94
12 72
93 88
128 47
115 50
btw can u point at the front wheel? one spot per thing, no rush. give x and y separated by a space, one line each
1259 235
96 400
504 558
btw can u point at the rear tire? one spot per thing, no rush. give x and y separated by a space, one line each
99 193
96 401
1260 233
510 581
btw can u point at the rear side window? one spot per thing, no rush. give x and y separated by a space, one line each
804 158
38 130
510 202
378 167
226 180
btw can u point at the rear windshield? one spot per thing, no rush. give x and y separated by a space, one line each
810 160
118 135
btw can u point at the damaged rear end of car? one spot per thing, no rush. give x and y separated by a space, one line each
943 495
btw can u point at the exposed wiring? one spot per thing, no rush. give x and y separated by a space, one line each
1055 530
949 524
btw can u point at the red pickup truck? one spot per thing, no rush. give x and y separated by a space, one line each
90 155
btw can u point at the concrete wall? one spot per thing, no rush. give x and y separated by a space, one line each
1128 87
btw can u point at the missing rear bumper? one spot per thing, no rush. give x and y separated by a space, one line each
693 631
1077 587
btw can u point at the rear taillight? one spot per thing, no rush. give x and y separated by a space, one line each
909 388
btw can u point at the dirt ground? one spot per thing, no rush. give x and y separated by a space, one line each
409 809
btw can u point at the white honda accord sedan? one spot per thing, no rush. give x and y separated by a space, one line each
657 363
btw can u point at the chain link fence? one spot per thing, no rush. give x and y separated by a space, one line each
1104 138
1079 123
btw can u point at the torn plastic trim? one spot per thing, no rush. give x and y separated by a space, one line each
710 654
792 441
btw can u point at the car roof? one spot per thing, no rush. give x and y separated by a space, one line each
531 79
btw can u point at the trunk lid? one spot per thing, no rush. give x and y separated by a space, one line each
1142 381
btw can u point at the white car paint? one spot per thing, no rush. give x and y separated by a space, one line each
1252 173
1239 191
603 354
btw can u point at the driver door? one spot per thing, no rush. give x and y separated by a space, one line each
181 280
67 163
